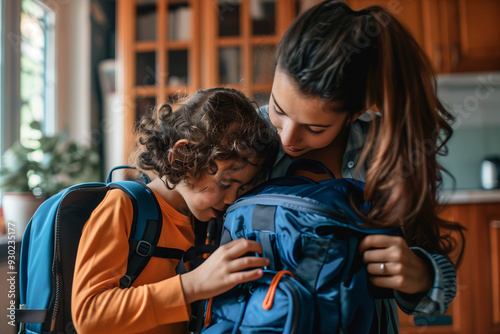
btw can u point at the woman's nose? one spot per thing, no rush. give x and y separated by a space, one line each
289 134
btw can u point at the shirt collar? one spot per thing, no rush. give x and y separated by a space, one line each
357 132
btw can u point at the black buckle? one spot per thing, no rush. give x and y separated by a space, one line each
125 282
144 248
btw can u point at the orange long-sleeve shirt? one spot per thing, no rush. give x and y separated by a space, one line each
155 303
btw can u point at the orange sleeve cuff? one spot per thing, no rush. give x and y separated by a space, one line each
170 304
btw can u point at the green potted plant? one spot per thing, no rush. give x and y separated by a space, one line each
38 167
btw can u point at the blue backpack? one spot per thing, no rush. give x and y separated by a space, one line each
50 244
316 281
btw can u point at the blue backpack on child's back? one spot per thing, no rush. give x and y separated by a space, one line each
50 244
316 281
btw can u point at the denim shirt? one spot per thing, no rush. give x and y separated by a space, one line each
445 281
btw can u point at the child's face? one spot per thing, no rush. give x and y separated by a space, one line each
209 196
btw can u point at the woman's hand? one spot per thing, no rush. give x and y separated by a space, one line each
224 269
392 264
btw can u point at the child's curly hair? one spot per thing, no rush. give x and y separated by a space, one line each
218 123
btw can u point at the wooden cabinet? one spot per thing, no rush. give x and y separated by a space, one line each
476 306
469 39
158 55
170 47
458 35
167 48
485 253
240 38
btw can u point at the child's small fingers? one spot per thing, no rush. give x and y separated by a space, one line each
240 247
248 262
246 276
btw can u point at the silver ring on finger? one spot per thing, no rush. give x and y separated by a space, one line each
382 267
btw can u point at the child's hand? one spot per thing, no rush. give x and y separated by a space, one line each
392 264
224 269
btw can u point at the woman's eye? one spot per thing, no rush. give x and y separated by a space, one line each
316 132
277 111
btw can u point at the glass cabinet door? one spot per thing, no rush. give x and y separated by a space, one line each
145 68
179 21
169 48
245 40
145 27
159 49
229 17
263 16
166 46
230 65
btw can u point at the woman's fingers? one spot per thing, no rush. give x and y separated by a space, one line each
380 241
389 282
392 264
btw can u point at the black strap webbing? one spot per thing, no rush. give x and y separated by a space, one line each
192 255
267 249
140 253
142 247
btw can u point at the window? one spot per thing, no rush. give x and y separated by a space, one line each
36 67
28 69
2 74
27 54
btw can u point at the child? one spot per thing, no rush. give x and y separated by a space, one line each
332 65
204 155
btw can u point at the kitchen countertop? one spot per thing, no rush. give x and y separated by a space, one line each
471 196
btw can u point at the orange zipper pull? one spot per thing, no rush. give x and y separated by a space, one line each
269 298
208 315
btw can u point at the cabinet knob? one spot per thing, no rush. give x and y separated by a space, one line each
455 54
438 59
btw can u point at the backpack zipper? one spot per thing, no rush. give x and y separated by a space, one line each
57 262
296 301
267 304
291 202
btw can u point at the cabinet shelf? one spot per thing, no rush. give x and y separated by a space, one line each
255 40
167 45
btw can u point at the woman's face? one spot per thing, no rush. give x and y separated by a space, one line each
304 123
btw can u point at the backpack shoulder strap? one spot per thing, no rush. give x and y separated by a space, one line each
146 229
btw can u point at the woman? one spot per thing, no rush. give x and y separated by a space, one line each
332 66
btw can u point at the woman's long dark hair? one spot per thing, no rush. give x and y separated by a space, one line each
368 59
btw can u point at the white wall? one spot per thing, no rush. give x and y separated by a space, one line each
474 98
73 63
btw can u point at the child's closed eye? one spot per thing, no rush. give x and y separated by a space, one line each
225 184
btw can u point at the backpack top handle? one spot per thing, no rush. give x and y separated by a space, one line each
144 177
